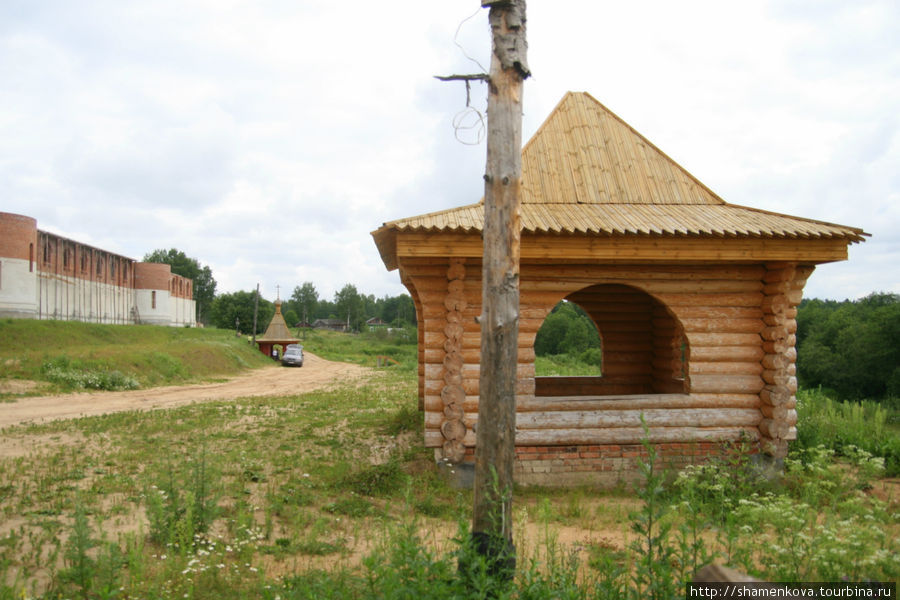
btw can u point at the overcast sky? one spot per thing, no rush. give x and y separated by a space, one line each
267 139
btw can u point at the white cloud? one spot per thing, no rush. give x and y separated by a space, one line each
268 139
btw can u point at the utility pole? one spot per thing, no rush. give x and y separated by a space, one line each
496 430
495 435
255 312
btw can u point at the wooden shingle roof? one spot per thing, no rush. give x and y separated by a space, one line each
585 171
277 331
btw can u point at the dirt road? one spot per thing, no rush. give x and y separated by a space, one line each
316 373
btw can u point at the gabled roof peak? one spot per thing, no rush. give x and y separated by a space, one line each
584 153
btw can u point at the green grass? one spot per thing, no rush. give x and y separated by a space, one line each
364 348
564 365
65 355
330 494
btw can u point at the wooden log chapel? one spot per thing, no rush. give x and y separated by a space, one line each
695 301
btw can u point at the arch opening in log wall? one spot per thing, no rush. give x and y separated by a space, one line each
643 344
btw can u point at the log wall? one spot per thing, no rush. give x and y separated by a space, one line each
704 352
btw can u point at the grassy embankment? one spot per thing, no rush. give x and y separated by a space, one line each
41 357
329 495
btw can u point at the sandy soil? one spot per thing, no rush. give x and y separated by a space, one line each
316 373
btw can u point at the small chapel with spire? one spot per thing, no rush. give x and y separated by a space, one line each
277 333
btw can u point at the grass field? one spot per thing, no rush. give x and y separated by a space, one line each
330 495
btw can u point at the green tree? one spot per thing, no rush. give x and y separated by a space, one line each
566 330
305 298
350 307
580 336
204 283
398 311
852 348
239 305
551 334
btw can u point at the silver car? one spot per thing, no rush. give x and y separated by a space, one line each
293 356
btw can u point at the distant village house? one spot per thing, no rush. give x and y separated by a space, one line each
330 324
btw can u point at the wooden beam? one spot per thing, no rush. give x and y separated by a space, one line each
543 247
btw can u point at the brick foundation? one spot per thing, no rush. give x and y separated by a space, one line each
604 465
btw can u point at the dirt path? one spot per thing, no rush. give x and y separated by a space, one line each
316 373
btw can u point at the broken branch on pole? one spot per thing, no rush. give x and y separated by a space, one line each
474 77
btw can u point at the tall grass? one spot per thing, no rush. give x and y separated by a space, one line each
845 426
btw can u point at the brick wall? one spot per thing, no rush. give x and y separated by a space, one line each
604 465
18 236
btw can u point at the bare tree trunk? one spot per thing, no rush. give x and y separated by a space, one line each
495 435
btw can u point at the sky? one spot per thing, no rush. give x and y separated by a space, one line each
267 139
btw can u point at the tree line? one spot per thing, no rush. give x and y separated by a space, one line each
850 347
304 306
235 309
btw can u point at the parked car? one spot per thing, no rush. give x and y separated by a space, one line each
293 356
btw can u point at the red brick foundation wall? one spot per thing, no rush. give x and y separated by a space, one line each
605 464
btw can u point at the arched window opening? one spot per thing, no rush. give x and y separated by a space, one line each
568 343
642 347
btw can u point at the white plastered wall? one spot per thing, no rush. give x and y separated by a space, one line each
18 289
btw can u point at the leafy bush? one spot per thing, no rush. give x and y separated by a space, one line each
72 375
592 356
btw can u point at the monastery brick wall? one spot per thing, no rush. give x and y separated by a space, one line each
47 276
